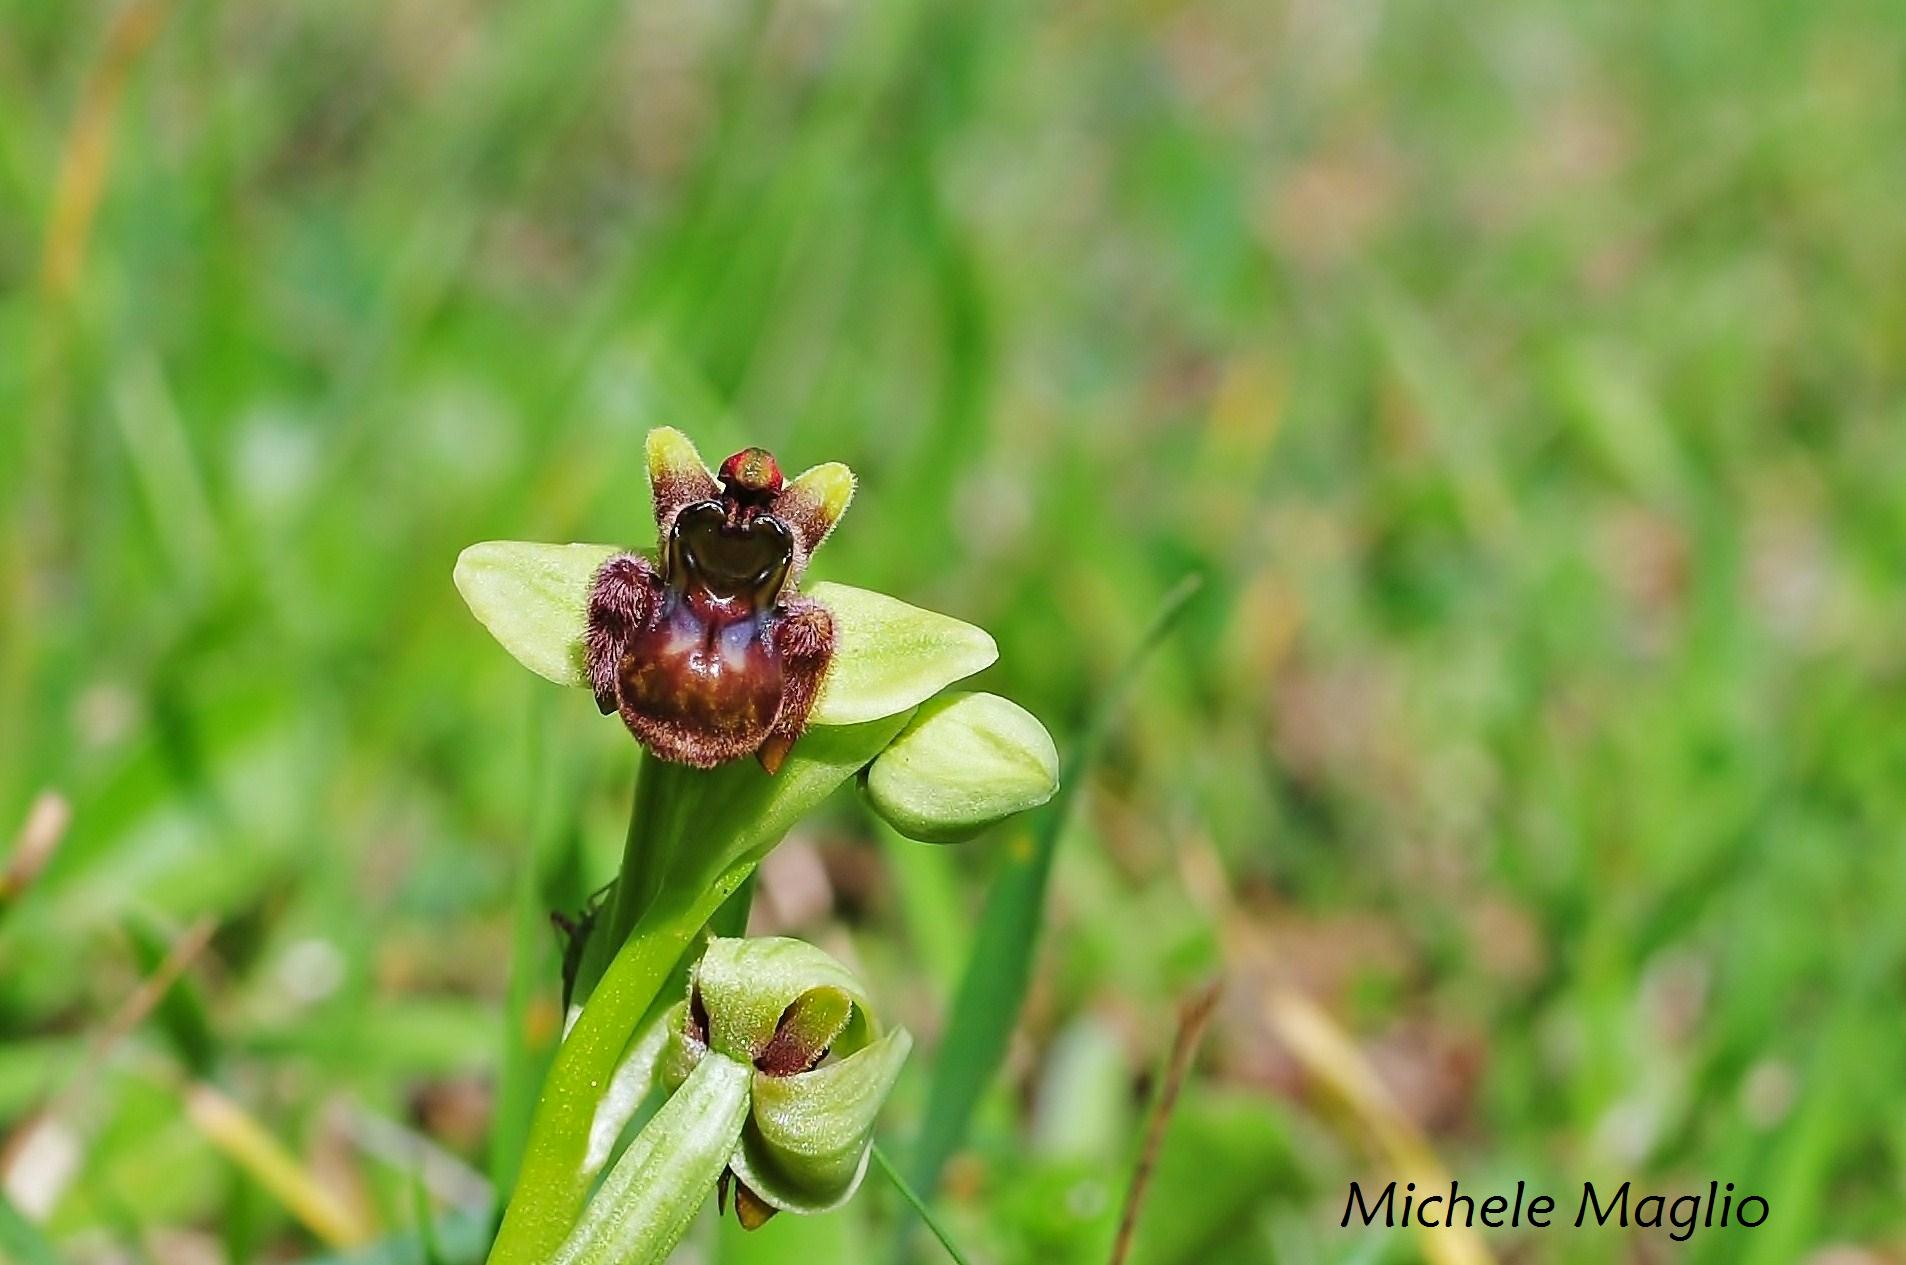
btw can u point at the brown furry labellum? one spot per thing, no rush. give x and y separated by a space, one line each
709 653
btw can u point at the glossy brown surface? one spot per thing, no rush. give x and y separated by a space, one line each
706 657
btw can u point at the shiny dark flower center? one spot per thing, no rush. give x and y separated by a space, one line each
740 563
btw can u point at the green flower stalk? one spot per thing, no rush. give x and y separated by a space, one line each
752 698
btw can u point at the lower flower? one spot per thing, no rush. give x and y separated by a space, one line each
776 1069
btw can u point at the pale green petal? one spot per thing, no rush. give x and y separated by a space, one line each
813 502
531 598
672 455
962 763
819 1020
804 1147
889 656
677 475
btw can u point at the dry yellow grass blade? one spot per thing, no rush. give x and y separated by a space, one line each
87 155
1193 1015
33 847
248 1144
1333 1061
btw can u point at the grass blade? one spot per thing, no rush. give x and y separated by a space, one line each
33 847
919 1206
269 1162
993 988
1193 1015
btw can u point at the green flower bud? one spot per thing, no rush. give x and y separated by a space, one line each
775 1069
964 762
748 995
821 1068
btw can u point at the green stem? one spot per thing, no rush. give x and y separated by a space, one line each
694 839
656 828
553 1183
648 849
732 918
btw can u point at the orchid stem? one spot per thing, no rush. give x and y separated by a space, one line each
554 1181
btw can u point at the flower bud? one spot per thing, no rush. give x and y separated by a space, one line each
765 999
964 762
822 1068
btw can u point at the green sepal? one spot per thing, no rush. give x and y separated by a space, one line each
531 598
627 1089
804 1147
889 655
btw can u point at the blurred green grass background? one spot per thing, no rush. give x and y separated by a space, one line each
1525 379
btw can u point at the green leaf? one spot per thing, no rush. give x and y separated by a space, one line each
1000 969
531 598
889 656
919 1206
646 1203
627 1091
964 762
553 1182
